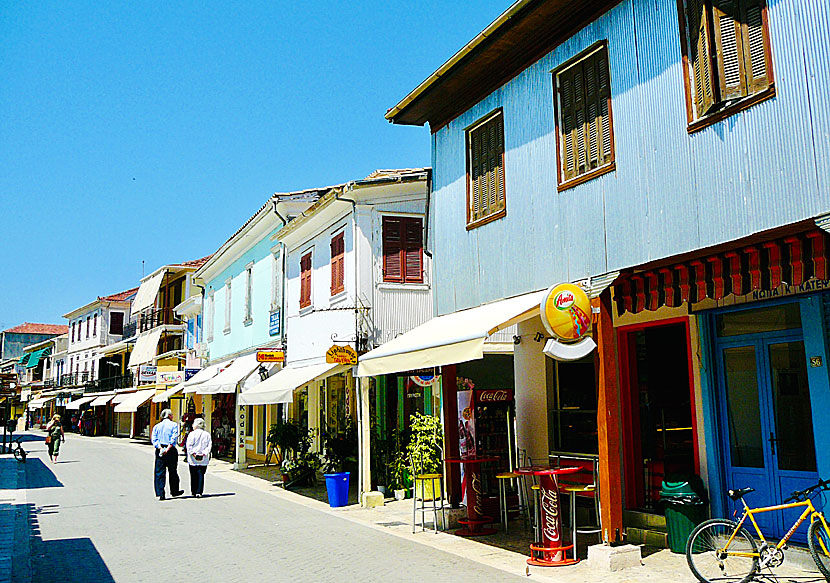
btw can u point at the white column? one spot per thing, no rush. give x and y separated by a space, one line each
243 418
529 367
363 437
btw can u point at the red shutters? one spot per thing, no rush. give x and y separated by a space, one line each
305 280
403 250
337 255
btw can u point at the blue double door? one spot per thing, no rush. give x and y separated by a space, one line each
767 421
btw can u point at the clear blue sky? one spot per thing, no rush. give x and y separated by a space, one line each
151 131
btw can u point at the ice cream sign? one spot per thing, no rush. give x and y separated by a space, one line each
566 314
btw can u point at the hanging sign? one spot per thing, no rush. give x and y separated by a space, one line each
425 380
274 324
170 377
189 373
147 373
341 355
270 356
566 312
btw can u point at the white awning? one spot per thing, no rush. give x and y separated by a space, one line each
204 375
135 401
101 400
449 339
76 404
39 403
145 347
121 397
115 348
280 387
25 394
163 397
147 292
227 380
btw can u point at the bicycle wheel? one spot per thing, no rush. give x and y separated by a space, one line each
709 562
819 542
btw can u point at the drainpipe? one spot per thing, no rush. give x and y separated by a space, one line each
427 252
283 261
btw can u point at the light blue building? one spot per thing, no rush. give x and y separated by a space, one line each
668 160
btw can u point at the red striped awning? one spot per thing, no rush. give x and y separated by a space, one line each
764 266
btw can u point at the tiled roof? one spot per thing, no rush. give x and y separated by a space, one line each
396 172
29 328
196 262
120 297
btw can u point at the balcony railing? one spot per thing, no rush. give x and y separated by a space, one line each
74 379
111 383
129 329
153 318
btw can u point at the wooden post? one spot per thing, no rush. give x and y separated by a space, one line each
449 400
608 423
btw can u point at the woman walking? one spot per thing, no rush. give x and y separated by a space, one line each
198 453
54 436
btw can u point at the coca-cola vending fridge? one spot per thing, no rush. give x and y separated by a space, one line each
485 429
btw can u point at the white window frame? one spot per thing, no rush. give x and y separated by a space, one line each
228 304
276 278
209 314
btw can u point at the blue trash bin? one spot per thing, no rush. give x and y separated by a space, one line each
337 487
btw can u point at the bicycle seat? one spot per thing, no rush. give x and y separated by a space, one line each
738 494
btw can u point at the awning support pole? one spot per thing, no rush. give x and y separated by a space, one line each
449 399
363 437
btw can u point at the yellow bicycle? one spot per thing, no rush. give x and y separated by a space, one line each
723 550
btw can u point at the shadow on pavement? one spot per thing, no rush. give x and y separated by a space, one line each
69 560
38 475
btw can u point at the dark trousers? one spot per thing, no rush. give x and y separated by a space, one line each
197 479
167 463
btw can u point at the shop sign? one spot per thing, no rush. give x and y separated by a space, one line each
189 373
147 373
341 355
270 356
566 312
782 291
274 324
170 377
494 396
425 380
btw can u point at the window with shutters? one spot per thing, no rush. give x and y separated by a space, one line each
403 250
486 199
210 312
727 59
94 325
117 323
228 303
585 132
337 262
305 280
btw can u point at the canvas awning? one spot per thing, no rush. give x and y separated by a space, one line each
102 400
25 394
145 347
115 348
147 292
227 380
121 397
280 387
134 401
449 339
34 357
164 396
39 403
76 404
204 375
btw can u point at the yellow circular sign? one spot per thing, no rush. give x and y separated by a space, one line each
566 312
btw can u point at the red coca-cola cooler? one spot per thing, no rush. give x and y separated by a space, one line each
486 428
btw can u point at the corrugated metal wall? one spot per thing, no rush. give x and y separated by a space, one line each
671 192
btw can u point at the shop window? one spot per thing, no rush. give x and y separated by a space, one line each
572 406
585 139
781 317
727 57
337 263
486 198
305 280
116 323
403 250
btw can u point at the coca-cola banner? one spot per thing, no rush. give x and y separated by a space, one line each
494 396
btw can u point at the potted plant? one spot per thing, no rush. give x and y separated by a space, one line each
299 463
424 451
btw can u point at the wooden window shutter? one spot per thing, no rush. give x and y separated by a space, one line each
485 145
305 280
392 249
413 251
726 18
337 264
756 45
566 102
700 56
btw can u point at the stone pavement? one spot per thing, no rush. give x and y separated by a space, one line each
94 519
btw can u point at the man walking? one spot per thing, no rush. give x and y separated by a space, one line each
164 437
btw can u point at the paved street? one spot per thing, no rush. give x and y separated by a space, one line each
94 519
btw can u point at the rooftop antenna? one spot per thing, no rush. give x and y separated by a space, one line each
142 269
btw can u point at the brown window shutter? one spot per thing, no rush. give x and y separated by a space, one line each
603 69
486 167
756 45
413 251
305 280
392 249
581 159
726 19
700 57
337 275
476 180
566 102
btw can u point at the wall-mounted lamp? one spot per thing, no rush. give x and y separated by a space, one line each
263 372
517 339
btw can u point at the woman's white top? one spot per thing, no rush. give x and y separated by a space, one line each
198 442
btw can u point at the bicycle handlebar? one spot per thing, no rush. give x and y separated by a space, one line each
803 494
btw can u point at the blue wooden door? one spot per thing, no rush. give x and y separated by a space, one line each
767 419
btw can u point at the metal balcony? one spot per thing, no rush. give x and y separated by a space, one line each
150 319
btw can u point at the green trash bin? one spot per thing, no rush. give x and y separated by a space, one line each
685 508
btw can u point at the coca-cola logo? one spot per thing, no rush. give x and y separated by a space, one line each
495 396
550 511
564 300
479 493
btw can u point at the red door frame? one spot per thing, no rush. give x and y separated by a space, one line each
631 430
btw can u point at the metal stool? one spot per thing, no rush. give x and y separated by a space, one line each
574 492
437 497
503 478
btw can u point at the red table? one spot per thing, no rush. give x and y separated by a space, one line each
549 552
475 516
